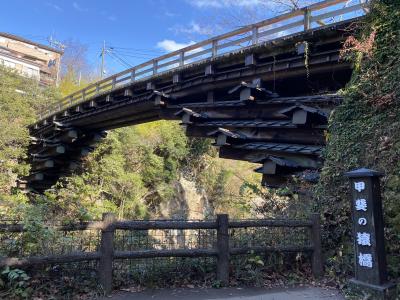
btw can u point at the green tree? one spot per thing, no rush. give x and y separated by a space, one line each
20 99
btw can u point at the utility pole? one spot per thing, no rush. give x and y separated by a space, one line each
103 52
79 78
58 45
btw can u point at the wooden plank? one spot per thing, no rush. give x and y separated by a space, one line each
166 64
281 28
246 29
338 12
48 259
165 253
196 54
264 249
272 134
270 223
145 71
146 225
235 42
94 225
325 4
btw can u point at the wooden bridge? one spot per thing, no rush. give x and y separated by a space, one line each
264 92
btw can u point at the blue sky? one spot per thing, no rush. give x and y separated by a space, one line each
148 28
138 30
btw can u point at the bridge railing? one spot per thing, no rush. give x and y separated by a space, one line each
220 238
301 20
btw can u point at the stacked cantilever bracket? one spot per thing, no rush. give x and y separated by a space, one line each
58 155
285 135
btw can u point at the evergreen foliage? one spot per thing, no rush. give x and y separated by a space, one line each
20 98
365 131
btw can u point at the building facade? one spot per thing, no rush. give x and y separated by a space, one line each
30 59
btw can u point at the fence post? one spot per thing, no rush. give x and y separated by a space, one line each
107 252
223 249
316 259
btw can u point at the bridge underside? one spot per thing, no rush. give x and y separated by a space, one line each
267 104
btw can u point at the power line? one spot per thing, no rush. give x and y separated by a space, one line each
122 61
137 49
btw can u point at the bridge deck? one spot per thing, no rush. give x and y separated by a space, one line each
257 102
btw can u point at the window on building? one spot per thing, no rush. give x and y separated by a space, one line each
9 64
30 72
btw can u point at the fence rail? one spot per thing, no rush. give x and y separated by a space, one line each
222 250
300 20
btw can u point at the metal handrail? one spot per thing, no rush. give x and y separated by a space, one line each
300 20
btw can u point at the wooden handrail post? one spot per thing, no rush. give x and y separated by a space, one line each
316 259
214 48
254 35
133 75
223 249
307 19
107 252
182 59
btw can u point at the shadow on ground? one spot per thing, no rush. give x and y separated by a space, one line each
315 293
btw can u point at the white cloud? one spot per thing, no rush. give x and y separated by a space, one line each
170 14
54 6
78 7
171 45
112 18
192 28
224 3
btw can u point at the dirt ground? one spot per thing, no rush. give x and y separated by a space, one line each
304 293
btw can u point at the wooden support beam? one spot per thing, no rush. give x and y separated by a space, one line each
73 165
86 150
269 167
92 104
187 115
68 136
51 151
128 93
301 48
176 78
46 164
280 135
252 91
221 136
305 161
150 86
274 181
209 70
273 165
109 98
250 60
221 140
36 177
210 96
159 98
302 114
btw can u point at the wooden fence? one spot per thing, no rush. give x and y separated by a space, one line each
222 250
300 20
